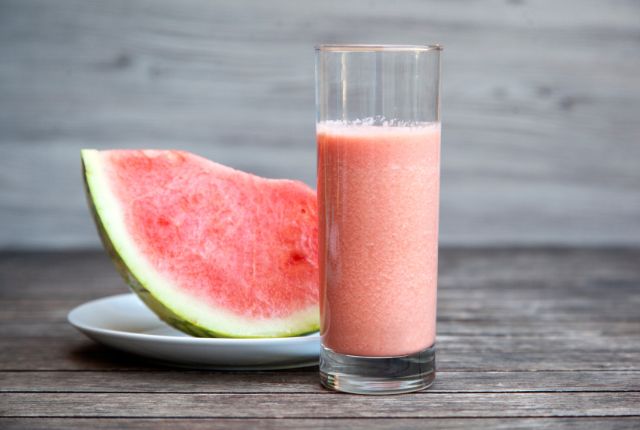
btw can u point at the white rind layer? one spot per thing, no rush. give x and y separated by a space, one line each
171 303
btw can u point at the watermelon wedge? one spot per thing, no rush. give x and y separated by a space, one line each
213 251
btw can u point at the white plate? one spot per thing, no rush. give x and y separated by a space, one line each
125 323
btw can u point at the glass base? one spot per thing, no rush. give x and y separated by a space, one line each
377 375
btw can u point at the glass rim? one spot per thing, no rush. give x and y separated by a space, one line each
376 48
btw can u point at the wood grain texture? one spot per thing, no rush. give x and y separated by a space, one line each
481 353
540 104
517 309
284 405
527 338
304 381
582 423
454 354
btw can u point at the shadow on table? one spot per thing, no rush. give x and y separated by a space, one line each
92 356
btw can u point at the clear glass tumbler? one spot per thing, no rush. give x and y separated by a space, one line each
378 142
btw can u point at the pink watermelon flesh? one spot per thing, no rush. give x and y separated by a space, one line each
230 240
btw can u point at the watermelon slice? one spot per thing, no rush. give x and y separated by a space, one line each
213 251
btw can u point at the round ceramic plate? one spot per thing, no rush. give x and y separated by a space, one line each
125 323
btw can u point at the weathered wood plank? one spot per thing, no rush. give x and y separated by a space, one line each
570 314
522 333
58 276
582 423
628 423
463 271
528 140
549 293
493 313
284 405
516 309
467 353
304 381
38 319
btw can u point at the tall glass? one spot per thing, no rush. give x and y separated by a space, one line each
378 141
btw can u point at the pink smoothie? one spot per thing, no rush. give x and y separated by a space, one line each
378 193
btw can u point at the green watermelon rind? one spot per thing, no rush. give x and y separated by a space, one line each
163 298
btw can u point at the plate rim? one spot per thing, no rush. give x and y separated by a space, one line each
72 318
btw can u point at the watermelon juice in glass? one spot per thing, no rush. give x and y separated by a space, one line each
378 142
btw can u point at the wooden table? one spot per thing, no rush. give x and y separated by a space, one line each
526 338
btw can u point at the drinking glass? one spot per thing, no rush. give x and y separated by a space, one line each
378 143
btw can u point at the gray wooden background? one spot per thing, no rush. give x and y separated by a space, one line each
541 104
